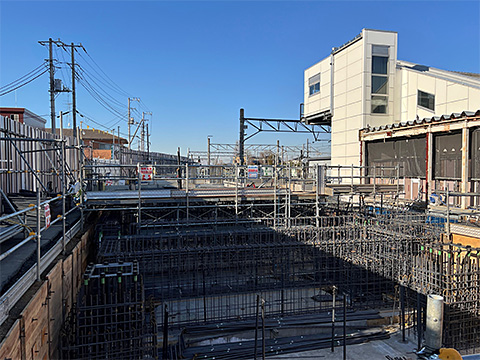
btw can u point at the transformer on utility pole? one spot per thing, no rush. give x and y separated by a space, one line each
56 84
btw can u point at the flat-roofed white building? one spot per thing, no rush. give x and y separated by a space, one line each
362 84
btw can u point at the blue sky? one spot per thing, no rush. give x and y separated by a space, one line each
195 64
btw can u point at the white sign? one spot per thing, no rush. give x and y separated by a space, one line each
109 183
253 171
146 173
47 216
267 171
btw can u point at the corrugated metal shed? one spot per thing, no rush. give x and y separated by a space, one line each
433 119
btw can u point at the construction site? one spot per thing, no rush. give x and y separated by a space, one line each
361 243
152 260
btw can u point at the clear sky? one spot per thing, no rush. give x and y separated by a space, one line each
195 64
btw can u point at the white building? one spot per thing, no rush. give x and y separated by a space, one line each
362 84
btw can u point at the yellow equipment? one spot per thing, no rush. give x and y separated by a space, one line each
449 354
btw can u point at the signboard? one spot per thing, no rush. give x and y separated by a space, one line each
146 173
109 183
267 171
253 171
47 216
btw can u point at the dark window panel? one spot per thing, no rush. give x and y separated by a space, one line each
426 100
379 84
379 65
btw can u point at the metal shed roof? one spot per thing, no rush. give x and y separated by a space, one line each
433 119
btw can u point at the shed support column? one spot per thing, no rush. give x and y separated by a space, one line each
363 162
465 164
429 170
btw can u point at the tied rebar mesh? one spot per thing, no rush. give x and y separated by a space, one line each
212 275
110 319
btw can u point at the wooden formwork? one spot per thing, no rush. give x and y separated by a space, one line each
10 347
36 334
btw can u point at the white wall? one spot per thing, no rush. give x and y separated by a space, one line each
453 94
348 103
318 102
351 103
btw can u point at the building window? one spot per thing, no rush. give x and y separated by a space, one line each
379 79
379 104
314 84
426 100
379 65
379 84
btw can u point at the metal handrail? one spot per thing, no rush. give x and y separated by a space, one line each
33 207
34 235
14 293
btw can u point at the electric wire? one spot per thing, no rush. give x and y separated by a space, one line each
98 97
22 84
101 87
14 83
89 118
107 80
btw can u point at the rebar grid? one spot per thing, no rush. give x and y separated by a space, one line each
109 319
214 274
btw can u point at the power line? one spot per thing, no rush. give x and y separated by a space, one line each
99 86
25 79
5 92
106 77
98 97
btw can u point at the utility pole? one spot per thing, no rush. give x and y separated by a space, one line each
148 145
53 91
142 135
113 144
119 147
52 83
241 140
130 121
208 150
74 99
143 128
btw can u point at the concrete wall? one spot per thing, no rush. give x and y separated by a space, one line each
36 333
